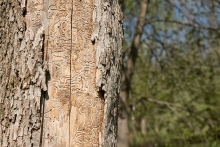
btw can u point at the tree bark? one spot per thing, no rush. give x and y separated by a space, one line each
60 67
127 74
22 77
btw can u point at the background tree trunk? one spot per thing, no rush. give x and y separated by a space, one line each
71 47
127 74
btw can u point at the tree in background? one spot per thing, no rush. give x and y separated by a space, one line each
127 74
171 96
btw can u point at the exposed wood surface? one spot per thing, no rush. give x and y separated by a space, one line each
73 114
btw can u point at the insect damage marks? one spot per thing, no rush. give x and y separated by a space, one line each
74 112
87 106
58 48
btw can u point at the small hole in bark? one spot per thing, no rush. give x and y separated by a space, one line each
101 94
93 42
14 119
42 49
24 12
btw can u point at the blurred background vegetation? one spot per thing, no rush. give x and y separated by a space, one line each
170 89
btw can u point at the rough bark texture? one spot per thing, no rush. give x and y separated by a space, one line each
81 41
107 35
127 74
22 76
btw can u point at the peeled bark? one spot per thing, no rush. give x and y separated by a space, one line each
60 72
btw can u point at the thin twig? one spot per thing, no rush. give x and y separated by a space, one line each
181 23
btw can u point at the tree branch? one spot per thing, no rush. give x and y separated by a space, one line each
160 103
181 23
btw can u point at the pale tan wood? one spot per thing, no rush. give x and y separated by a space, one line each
57 106
73 114
87 107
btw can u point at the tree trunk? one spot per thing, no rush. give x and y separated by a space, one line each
60 64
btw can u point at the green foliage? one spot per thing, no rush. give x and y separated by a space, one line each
176 85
